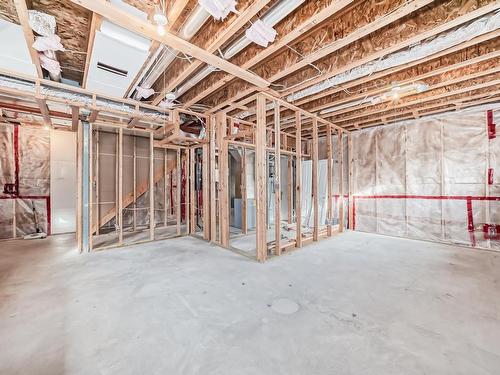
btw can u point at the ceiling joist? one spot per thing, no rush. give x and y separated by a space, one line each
185 69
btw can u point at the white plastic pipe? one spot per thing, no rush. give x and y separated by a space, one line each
271 18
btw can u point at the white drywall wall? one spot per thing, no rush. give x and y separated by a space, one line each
63 181
14 54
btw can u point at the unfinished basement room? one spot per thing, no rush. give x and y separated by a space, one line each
235 187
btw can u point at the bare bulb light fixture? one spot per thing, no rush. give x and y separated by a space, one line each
160 17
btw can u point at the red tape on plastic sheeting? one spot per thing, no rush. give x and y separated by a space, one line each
470 223
491 232
429 197
490 176
16 158
492 133
469 199
16 194
354 214
49 216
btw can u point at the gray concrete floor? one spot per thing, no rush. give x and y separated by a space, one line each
353 304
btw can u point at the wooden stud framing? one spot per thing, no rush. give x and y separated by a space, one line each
42 104
206 208
315 166
135 185
260 179
329 172
165 209
213 180
298 180
178 182
75 113
351 180
222 146
186 163
91 187
289 190
151 188
93 115
341 181
192 193
244 199
117 175
97 186
277 180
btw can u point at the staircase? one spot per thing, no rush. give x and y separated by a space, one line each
129 198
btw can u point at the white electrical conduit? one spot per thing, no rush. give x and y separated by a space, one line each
439 43
271 18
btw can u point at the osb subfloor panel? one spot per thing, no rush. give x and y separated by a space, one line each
353 304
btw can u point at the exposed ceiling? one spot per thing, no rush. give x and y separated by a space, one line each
341 59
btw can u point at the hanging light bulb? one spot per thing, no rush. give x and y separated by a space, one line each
160 19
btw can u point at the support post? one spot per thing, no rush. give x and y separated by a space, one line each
135 184
192 195
213 181
178 192
298 180
289 189
329 177
260 178
205 185
84 191
351 180
165 210
221 119
79 181
151 188
97 186
91 187
315 163
244 224
341 182
120 186
277 179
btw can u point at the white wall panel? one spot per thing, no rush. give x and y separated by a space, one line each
63 184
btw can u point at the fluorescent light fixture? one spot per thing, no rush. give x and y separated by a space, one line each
398 91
